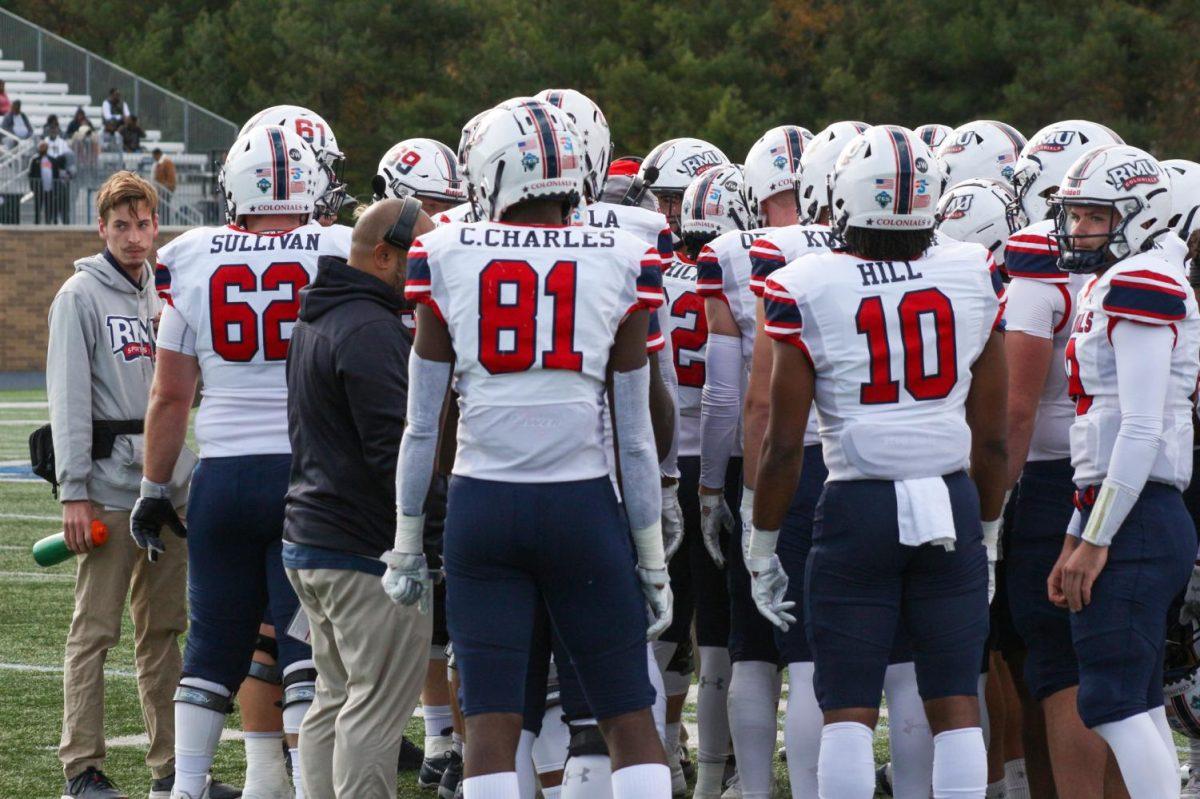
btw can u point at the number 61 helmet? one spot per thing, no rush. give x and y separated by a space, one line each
269 170
524 150
312 127
885 179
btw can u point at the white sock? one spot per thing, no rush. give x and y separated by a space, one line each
438 724
959 764
1159 716
502 785
753 708
265 768
671 739
712 719
659 710
802 730
553 792
1016 783
1147 769
995 790
456 743
985 723
197 733
297 780
643 781
846 769
526 775
587 777
908 733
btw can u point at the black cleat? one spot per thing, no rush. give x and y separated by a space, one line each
411 756
451 782
432 768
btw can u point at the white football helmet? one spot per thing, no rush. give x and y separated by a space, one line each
672 165
980 211
712 204
530 151
1125 179
312 127
269 170
933 134
773 165
885 179
1185 195
593 127
817 163
421 168
1046 157
981 149
468 130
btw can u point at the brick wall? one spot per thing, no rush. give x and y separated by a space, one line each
34 262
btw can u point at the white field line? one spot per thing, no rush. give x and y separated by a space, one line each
4 406
33 668
30 517
22 422
36 577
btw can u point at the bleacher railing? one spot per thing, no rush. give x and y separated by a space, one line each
179 119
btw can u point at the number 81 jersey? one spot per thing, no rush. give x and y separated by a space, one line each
234 298
532 313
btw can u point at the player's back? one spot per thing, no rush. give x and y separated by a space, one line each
239 294
892 344
725 273
648 226
532 312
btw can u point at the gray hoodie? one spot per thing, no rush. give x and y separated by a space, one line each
99 365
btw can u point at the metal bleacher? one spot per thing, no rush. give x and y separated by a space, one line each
51 76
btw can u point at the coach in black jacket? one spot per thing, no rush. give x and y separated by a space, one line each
347 373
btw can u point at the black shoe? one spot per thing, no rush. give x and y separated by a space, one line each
883 779
687 764
92 784
162 786
451 782
432 769
411 756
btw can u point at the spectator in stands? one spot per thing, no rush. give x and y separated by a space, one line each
78 122
164 170
113 111
16 123
131 135
51 124
5 103
44 172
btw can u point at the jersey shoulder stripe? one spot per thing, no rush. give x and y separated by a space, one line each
1145 296
765 259
1033 255
710 279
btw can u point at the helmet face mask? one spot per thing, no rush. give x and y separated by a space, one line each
1086 253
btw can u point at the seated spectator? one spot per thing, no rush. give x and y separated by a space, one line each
5 103
80 120
113 111
51 125
164 170
131 135
16 123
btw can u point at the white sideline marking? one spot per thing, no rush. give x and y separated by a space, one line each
9 405
30 517
12 548
37 577
33 668
22 422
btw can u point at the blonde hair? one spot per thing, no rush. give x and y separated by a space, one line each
123 188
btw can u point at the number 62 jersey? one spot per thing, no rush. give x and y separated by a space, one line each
234 297
892 344
532 313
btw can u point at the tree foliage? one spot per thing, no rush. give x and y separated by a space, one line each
724 70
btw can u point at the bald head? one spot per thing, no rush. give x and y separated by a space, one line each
371 254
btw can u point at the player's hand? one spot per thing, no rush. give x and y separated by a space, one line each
152 511
1054 583
1080 573
77 525
993 556
715 518
768 585
656 587
672 520
1190 612
407 579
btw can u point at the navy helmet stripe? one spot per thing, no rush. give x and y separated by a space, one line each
279 163
795 147
1013 136
451 160
904 172
702 192
549 141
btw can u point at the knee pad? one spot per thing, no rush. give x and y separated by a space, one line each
299 691
677 676
264 672
586 740
189 693
267 645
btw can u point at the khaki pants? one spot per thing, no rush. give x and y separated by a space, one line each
157 592
371 656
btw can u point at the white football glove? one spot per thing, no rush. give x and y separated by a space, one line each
672 520
991 543
1190 612
768 585
715 516
656 587
407 580
746 509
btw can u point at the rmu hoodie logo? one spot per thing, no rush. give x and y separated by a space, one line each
130 337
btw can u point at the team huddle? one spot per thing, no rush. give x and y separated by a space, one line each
862 408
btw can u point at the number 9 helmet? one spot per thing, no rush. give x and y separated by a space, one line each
1048 155
712 204
885 179
981 149
980 211
593 127
817 163
269 170
312 127
773 165
421 168
527 151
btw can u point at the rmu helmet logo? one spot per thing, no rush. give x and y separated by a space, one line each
1054 142
957 207
695 164
961 143
1126 176
130 337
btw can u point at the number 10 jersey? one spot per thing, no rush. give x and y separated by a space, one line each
532 312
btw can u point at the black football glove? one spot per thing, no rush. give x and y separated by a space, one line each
152 511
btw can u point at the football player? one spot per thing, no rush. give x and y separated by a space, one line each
1130 543
670 168
499 299
312 127
421 168
981 149
233 293
1041 302
898 536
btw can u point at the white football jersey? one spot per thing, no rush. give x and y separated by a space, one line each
687 329
1149 290
532 312
463 212
723 272
1040 301
238 294
892 345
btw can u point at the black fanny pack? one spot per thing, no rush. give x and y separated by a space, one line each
104 436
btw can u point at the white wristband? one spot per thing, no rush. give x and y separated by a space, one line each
762 542
410 534
991 539
1112 506
649 545
153 490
